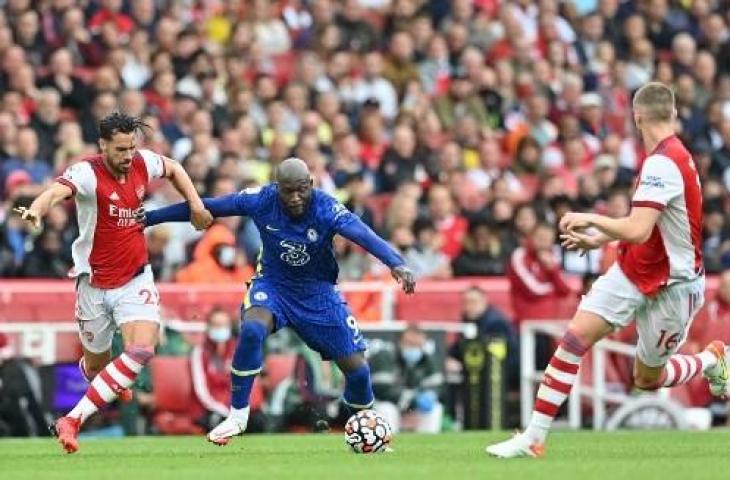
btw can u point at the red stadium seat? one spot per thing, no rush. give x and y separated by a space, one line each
278 367
173 391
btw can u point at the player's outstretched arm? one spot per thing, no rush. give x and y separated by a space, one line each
200 217
356 231
225 206
43 202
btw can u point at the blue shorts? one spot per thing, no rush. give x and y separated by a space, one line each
321 319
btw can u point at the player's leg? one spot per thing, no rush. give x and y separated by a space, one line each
134 307
662 329
358 393
340 340
343 342
611 303
248 359
140 338
96 328
91 363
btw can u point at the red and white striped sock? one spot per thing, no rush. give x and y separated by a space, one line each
683 368
116 376
559 378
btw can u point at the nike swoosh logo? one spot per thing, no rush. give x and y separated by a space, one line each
271 229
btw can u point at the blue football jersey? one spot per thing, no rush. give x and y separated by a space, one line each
295 252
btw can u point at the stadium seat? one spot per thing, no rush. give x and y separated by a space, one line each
173 391
278 367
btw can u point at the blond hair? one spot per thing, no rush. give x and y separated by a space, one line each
656 102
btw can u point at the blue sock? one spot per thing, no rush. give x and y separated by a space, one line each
247 362
358 388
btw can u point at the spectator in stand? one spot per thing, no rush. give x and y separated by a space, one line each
26 159
402 161
537 283
46 122
421 250
210 364
46 260
451 225
74 93
157 241
484 251
216 259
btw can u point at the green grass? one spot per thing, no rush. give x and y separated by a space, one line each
454 456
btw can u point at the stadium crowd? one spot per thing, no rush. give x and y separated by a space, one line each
453 127
460 130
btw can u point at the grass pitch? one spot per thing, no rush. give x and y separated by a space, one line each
454 456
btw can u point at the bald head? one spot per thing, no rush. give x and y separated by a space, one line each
295 186
292 170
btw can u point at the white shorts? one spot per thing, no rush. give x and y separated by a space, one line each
661 321
99 312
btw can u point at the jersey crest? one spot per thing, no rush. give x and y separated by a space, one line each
296 253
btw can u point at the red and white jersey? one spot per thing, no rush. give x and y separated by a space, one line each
111 245
668 181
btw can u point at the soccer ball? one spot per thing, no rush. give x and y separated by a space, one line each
368 432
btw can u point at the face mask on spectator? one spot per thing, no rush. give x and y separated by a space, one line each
219 334
411 355
226 256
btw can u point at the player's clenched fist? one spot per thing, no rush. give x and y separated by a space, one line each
29 215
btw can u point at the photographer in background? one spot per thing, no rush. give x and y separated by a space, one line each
407 383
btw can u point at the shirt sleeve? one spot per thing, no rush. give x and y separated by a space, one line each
244 203
154 162
248 200
660 182
80 178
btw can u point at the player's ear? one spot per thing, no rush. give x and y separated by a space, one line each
102 144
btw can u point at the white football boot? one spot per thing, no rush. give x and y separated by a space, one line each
234 425
520 445
718 376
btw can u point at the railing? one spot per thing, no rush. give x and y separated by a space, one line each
599 394
38 340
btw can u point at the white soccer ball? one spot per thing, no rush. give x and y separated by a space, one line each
368 432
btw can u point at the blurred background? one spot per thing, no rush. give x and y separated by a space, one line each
459 130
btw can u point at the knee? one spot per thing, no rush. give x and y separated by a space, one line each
93 370
141 354
646 382
360 373
90 370
252 332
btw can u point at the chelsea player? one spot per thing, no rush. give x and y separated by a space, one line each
294 285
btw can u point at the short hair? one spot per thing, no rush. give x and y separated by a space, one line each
119 122
656 101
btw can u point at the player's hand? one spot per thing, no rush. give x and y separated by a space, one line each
404 276
140 216
200 217
573 221
30 216
580 241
